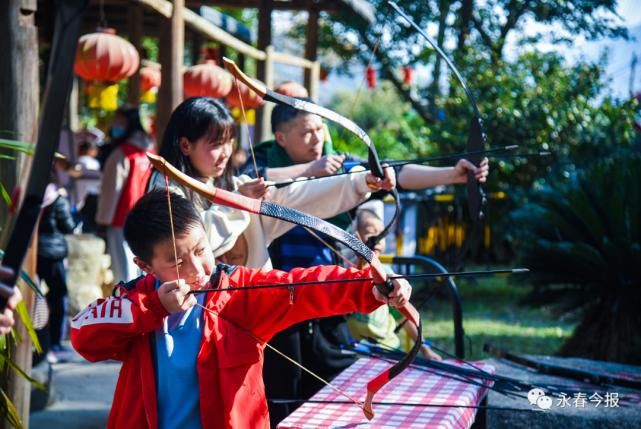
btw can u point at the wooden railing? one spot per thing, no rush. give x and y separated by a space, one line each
269 55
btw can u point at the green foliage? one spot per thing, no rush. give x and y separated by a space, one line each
150 48
537 102
581 237
540 103
492 314
395 130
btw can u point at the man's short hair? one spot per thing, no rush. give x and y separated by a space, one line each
148 223
282 114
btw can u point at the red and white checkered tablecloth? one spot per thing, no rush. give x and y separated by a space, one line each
411 386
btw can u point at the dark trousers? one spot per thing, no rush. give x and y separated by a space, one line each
88 214
53 272
282 378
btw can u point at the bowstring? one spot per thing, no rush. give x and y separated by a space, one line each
246 331
249 139
171 223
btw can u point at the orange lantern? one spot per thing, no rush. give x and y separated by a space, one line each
206 80
250 99
149 77
105 57
370 74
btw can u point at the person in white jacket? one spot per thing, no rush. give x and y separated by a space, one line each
199 140
124 175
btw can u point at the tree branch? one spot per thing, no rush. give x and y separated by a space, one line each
516 12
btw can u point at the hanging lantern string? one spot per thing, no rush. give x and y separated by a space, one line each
103 20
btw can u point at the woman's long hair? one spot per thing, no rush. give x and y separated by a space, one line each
193 119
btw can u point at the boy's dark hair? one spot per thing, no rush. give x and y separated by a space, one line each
282 114
148 222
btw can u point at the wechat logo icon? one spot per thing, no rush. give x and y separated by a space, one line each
537 397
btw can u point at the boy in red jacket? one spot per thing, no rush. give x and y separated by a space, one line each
195 360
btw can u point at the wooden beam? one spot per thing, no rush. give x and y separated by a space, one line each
172 42
134 24
163 7
209 30
294 5
292 60
311 42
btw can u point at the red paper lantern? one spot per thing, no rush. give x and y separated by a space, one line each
103 56
251 100
206 80
408 75
370 73
324 74
150 77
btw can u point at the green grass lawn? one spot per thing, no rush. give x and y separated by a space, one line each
492 313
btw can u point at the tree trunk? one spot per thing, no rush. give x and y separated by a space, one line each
464 24
440 38
607 332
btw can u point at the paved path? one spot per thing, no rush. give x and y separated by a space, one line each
82 393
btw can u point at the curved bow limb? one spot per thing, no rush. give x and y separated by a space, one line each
270 95
271 209
476 136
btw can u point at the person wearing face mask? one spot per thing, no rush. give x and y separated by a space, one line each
126 171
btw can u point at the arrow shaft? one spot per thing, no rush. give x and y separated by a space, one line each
366 279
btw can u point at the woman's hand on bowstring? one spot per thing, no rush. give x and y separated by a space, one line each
255 188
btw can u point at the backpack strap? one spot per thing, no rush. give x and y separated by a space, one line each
123 287
220 269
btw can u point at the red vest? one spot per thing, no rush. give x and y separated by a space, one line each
136 183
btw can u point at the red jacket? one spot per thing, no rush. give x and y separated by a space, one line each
230 362
135 185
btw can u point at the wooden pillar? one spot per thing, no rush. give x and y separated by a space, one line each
135 30
311 44
222 52
73 108
171 49
313 81
266 110
240 60
19 91
264 40
195 46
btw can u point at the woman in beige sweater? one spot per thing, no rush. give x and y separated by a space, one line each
199 141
